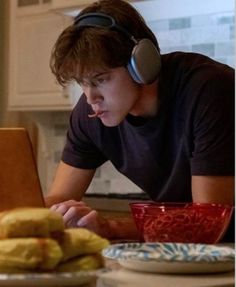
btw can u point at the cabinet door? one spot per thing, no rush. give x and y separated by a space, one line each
32 85
59 4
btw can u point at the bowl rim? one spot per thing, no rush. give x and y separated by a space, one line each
162 204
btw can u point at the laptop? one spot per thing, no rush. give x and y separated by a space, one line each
19 179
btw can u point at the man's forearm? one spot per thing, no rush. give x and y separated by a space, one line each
50 200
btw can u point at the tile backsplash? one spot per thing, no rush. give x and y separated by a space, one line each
209 34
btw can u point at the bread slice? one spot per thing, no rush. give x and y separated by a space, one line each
81 263
29 254
30 222
80 241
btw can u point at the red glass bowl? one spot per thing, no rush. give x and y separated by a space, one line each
181 222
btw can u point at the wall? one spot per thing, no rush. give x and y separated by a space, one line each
210 32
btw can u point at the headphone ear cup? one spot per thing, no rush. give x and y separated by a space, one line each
145 62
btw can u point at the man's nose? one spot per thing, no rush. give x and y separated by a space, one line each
92 95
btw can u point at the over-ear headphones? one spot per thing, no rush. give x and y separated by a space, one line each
145 61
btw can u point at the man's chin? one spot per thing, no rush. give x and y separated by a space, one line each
110 122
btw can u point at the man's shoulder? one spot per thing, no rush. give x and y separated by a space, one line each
190 61
179 56
192 67
82 109
82 102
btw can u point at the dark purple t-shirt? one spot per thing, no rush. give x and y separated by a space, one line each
192 134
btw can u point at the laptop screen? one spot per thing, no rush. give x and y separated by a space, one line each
19 179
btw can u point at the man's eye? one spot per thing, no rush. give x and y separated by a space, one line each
100 80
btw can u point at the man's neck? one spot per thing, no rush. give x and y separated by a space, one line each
147 105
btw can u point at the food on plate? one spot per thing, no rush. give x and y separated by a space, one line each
29 253
85 263
30 222
36 240
80 241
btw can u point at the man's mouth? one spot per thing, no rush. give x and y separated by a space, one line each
96 114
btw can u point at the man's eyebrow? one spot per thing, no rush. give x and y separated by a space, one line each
99 74
93 77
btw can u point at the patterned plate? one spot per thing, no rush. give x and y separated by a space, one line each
173 257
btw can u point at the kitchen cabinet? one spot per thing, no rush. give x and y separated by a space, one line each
74 5
32 34
59 4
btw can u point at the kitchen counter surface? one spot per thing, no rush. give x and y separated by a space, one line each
121 277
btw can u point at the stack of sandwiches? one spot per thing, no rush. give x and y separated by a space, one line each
36 240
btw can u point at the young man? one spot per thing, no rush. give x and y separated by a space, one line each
166 122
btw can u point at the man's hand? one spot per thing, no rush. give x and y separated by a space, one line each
78 214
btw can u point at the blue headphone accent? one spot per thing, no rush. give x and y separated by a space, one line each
145 61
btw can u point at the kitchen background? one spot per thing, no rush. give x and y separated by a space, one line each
206 27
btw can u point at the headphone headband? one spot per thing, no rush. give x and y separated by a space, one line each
101 20
144 63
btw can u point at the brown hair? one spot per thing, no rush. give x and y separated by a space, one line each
81 50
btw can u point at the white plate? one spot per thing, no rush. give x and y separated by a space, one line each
49 279
173 257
